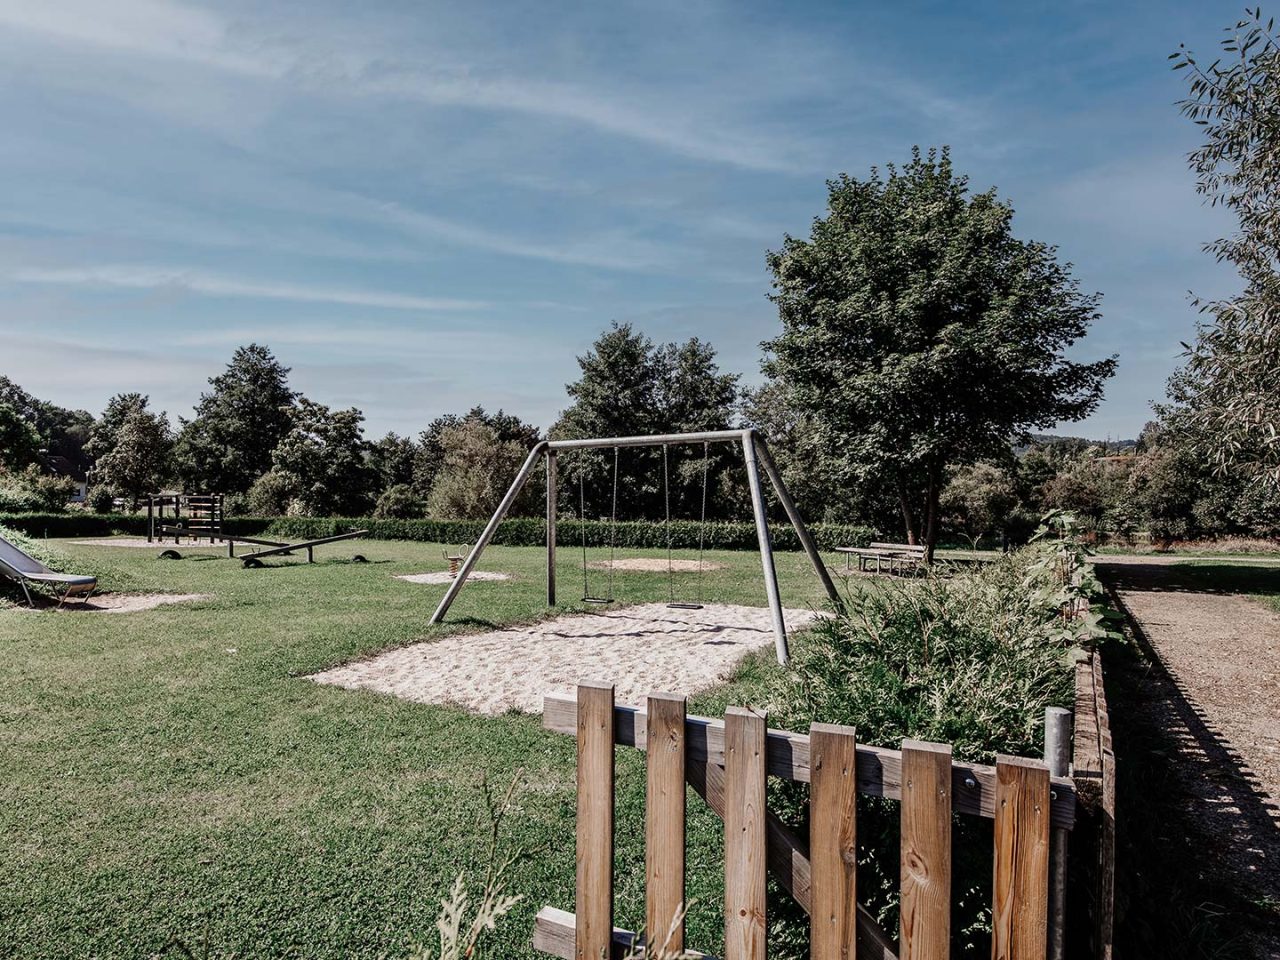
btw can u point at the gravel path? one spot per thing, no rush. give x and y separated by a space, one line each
1221 704
640 649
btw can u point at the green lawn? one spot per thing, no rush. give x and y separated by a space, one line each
172 774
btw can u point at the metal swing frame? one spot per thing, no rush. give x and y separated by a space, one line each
755 453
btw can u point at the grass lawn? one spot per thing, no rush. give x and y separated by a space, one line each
171 774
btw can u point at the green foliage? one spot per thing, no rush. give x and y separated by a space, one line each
980 499
238 424
101 499
631 386
528 532
477 467
321 461
1225 399
918 332
63 432
399 502
428 458
19 440
34 491
133 447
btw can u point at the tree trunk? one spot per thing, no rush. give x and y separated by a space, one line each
908 515
933 493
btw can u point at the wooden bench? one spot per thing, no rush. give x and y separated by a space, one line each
898 557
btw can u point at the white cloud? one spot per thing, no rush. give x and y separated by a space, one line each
194 281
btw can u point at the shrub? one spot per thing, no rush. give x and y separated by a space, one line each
398 502
101 499
35 491
271 494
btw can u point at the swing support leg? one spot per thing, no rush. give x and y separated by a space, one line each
797 523
766 548
551 528
490 528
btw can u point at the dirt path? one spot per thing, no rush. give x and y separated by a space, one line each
1218 697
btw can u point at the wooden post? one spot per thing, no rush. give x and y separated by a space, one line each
552 503
594 898
833 850
151 519
1057 756
1019 912
745 851
664 828
926 851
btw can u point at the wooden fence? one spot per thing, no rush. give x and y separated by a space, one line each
1093 849
727 762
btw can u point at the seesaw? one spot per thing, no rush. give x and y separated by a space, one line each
273 548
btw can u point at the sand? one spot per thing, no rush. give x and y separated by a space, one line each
442 576
117 603
655 565
640 649
140 543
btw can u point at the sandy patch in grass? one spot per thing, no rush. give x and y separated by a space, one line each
442 576
116 603
654 565
640 649
140 543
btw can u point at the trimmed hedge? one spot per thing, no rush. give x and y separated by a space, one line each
78 523
531 531
514 532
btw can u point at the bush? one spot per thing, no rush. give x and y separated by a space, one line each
101 499
398 502
271 494
85 524
35 491
971 660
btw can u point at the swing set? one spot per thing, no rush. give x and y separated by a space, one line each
755 453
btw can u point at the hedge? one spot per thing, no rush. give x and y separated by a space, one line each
531 531
515 531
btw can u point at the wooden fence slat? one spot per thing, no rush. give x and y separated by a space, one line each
973 785
1020 914
926 851
593 936
745 909
833 842
664 822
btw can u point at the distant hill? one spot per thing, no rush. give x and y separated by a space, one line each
1078 443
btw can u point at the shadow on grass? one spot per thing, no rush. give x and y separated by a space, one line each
1184 798
1194 577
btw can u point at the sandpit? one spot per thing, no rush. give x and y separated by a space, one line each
442 576
655 565
118 603
141 543
640 649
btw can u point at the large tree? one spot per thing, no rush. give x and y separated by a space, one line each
631 386
139 460
918 332
63 432
19 441
477 467
429 457
238 424
322 462
1226 400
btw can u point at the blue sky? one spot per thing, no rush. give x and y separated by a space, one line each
423 207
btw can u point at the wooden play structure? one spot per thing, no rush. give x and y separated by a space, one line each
755 454
727 762
192 518
184 516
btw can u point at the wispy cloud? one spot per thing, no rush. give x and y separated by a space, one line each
194 281
174 31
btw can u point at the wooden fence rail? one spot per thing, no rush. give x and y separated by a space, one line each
728 762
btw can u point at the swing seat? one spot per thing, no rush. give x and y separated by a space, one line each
684 606
599 600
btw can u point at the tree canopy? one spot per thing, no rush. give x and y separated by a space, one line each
1226 400
238 424
918 332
